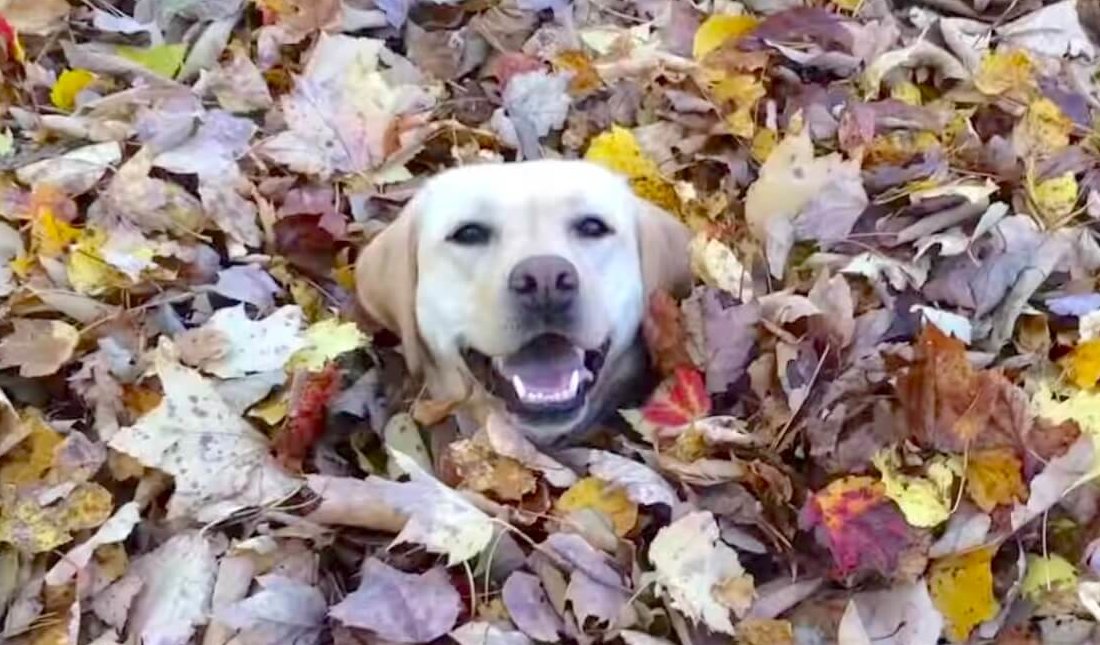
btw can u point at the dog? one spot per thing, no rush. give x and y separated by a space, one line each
524 285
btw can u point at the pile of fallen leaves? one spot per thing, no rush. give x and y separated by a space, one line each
879 420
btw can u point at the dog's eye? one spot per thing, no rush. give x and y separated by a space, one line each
592 227
471 235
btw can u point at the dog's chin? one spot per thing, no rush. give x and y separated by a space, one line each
545 383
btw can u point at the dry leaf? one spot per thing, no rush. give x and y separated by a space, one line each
401 607
220 463
701 574
38 347
962 589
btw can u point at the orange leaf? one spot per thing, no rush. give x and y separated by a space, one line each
994 477
1083 365
679 400
665 337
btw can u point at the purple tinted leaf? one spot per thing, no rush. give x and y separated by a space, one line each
248 283
1076 305
729 330
528 607
578 554
802 24
401 607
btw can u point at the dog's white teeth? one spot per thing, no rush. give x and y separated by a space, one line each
534 395
521 391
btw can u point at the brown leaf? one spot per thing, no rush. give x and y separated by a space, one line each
949 404
38 347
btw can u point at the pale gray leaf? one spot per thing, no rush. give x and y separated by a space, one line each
399 606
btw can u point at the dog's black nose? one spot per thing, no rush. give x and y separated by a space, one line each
544 282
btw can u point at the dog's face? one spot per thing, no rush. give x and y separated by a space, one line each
528 280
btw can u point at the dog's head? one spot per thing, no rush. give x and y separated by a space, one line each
528 279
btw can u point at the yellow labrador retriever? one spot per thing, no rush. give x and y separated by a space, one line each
524 285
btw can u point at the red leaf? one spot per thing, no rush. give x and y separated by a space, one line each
301 239
307 416
679 400
862 529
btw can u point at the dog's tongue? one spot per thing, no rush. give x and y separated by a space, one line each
549 369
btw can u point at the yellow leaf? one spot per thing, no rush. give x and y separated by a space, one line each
961 587
50 235
87 507
593 493
618 150
162 60
741 91
30 526
327 340
29 461
1083 365
1056 197
585 78
995 477
718 29
271 412
1004 71
1082 407
22 265
1044 575
87 270
925 501
7 142
344 275
717 265
1044 130
906 92
763 142
68 85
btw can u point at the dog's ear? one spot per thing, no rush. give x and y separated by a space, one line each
385 281
663 248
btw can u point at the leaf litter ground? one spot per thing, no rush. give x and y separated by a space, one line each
879 420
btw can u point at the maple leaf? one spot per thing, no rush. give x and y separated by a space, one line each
962 589
925 501
950 405
595 494
476 466
401 607
679 400
220 462
701 573
995 477
439 518
853 518
282 611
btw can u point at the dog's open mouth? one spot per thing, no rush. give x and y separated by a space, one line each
549 376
